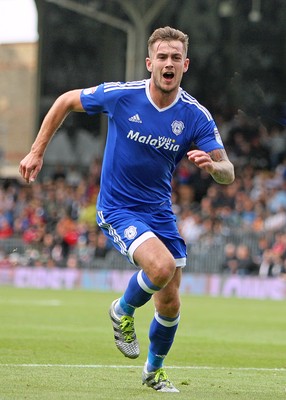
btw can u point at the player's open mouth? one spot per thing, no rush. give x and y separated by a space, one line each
168 76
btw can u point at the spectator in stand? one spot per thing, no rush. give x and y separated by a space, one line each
247 211
72 261
6 212
186 197
263 244
207 209
230 263
272 264
102 247
190 226
277 199
6 230
279 245
184 172
245 262
67 231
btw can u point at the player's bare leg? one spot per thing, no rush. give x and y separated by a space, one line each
160 267
162 333
158 261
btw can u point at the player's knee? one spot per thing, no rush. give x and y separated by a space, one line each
163 271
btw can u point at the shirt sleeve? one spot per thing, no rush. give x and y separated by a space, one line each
99 99
92 99
207 137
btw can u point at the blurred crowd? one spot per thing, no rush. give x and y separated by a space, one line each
54 218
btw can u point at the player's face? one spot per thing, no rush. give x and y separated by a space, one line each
167 63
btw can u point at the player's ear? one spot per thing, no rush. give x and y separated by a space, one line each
186 64
148 64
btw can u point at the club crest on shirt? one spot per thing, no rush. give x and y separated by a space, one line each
177 127
130 232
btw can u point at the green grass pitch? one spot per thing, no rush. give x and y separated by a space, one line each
59 345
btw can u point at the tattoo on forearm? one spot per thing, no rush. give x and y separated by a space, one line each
218 155
224 173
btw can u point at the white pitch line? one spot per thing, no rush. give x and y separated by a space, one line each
136 366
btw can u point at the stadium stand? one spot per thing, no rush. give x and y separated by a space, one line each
52 222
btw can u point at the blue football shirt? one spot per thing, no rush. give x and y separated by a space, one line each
145 143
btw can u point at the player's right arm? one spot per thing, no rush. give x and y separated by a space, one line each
31 165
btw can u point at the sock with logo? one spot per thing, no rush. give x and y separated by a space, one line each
139 290
161 335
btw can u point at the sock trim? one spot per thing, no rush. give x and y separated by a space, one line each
144 286
169 322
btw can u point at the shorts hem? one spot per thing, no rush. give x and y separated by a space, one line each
181 262
136 243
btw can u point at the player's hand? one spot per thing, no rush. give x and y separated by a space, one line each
201 159
30 166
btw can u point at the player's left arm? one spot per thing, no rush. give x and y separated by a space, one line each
215 162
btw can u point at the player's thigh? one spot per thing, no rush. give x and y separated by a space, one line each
156 260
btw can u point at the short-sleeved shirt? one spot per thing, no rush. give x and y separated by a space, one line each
145 143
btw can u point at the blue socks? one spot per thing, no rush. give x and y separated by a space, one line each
162 333
162 329
139 291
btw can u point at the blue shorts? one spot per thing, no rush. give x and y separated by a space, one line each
128 228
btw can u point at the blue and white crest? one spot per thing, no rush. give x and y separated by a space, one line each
177 127
130 232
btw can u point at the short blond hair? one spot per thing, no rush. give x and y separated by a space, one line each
167 34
